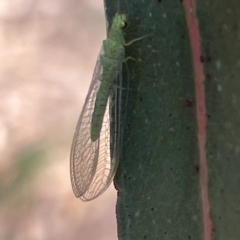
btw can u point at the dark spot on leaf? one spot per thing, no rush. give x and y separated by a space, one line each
197 168
205 58
189 102
235 27
208 75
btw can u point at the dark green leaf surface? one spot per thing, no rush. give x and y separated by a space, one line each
160 195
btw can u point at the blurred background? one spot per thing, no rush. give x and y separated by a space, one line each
48 49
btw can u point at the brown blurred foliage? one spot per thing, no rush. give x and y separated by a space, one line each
48 51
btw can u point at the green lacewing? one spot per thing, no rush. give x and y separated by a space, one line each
95 150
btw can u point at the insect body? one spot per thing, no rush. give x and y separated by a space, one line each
111 62
92 165
95 151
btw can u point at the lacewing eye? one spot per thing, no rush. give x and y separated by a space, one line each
123 24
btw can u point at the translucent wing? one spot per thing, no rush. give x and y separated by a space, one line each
93 164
